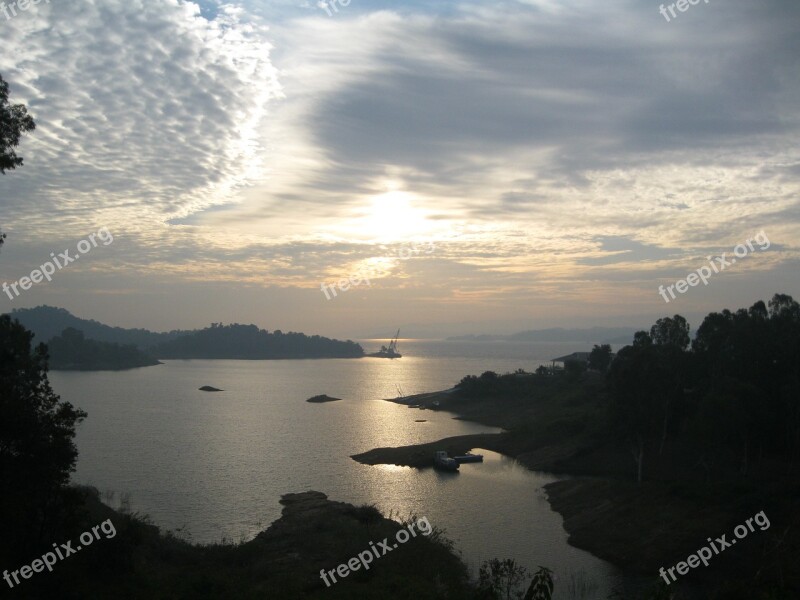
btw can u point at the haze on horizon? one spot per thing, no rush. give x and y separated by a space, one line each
556 161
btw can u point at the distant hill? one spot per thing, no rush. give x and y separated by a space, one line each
249 342
47 322
71 351
217 341
613 335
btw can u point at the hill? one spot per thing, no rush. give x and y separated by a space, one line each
71 351
249 342
614 335
46 322
132 559
216 342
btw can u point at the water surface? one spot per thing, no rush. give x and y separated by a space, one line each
214 465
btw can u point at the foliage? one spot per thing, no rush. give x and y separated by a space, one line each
574 369
37 452
600 358
14 121
541 587
501 579
671 332
734 395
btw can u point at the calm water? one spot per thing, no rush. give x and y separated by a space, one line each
215 465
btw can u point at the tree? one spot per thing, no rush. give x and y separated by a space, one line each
647 383
600 357
501 579
14 121
642 339
784 306
37 451
671 332
541 587
574 369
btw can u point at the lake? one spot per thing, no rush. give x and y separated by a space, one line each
214 465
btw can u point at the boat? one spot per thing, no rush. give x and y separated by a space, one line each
444 462
389 351
469 457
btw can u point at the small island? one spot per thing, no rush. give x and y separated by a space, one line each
322 398
208 388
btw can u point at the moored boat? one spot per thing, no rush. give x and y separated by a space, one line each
469 457
444 462
389 351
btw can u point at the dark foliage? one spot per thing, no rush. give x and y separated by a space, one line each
14 122
600 358
734 396
37 452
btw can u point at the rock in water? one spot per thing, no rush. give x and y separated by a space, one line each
208 388
322 398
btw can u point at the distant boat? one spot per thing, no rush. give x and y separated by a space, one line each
469 457
389 351
444 462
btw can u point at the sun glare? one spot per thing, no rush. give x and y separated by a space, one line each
391 217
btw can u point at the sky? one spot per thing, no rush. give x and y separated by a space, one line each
445 167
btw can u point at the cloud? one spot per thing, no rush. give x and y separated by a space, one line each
596 146
144 110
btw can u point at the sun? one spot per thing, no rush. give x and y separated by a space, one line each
391 216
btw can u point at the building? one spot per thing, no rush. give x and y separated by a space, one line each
578 357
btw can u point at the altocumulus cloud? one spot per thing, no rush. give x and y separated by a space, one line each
146 109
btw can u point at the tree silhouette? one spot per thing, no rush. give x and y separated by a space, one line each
600 357
501 579
671 332
37 452
14 121
647 382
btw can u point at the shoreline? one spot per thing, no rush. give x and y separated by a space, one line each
638 529
420 456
